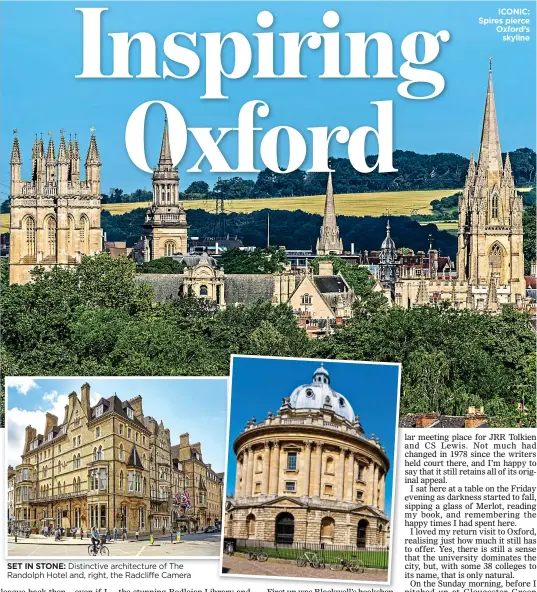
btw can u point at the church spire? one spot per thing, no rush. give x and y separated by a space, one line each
165 159
15 152
329 241
490 155
62 152
92 157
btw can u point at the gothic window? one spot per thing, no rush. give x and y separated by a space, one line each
496 259
306 299
51 237
84 235
169 248
204 291
74 486
121 480
70 233
78 485
494 205
30 236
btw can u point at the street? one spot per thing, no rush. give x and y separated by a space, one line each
191 545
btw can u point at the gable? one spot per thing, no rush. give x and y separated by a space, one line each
284 502
318 307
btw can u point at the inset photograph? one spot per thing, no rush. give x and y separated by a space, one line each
310 469
119 467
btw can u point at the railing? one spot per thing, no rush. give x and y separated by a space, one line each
57 497
291 420
159 497
370 556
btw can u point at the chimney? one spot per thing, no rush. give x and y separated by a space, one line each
66 415
85 399
136 404
50 422
352 248
424 420
30 435
326 268
475 417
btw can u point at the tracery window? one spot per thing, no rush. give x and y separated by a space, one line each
30 237
51 237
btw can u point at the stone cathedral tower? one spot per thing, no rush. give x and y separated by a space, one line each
329 242
165 221
490 218
55 218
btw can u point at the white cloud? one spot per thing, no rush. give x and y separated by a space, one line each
18 419
22 383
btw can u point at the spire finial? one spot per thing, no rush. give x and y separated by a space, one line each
165 151
490 63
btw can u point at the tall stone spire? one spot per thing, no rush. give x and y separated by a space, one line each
51 153
490 155
15 152
165 160
329 241
62 152
92 157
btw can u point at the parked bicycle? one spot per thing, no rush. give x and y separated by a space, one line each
257 554
100 549
354 566
229 549
310 558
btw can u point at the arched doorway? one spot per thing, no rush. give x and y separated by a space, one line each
328 527
285 528
250 526
361 535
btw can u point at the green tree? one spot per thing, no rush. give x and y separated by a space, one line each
162 265
269 260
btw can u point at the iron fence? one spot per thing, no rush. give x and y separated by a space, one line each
372 557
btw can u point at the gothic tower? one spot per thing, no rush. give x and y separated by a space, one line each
165 221
329 242
490 217
55 218
388 262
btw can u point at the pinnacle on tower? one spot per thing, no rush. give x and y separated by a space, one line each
76 151
92 157
165 159
329 206
51 153
63 152
40 148
470 174
15 152
490 155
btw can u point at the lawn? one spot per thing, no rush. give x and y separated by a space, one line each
370 558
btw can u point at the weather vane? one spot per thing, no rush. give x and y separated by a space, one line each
92 129
15 131
49 132
62 131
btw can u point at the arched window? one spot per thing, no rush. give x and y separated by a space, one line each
250 526
59 488
259 464
29 227
496 259
494 205
306 299
78 460
70 234
84 235
204 291
361 535
95 457
100 453
329 465
169 248
144 486
78 485
75 490
121 452
121 480
328 527
51 237
59 467
285 528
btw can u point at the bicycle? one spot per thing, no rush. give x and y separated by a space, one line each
257 554
311 559
98 549
229 549
354 566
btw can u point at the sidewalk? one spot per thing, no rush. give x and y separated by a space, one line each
39 539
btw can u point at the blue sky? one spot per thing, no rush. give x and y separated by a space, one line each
41 54
196 406
259 385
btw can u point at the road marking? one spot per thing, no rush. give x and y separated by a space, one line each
140 551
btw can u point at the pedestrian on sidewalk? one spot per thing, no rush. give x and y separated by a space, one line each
137 536
81 534
115 533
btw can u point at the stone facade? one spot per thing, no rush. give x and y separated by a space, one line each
105 465
309 474
165 221
55 218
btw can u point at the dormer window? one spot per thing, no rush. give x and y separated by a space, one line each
130 413
98 411
50 436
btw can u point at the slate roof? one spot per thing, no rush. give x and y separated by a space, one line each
115 404
134 460
248 288
167 286
330 284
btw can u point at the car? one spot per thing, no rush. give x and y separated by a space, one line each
211 529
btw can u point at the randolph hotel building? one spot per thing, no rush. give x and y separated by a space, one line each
108 465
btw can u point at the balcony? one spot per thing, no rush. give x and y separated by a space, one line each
56 498
159 498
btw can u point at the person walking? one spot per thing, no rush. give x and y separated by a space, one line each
115 533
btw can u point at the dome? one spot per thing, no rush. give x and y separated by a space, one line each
318 393
388 243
